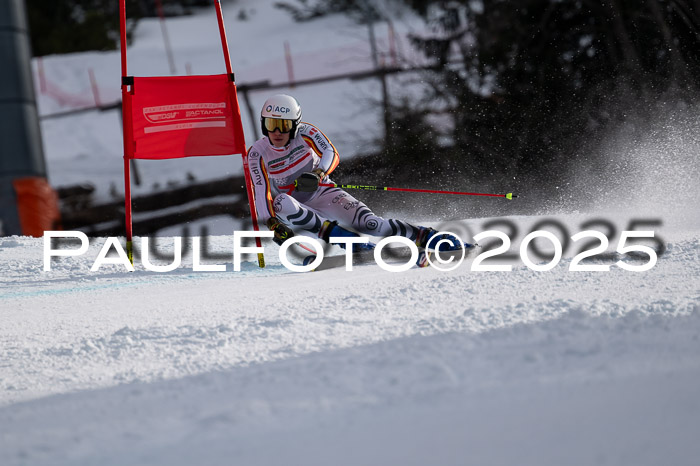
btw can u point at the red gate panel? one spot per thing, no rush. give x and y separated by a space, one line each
184 116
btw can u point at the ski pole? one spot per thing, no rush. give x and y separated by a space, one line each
508 196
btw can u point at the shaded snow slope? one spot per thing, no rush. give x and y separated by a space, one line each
576 390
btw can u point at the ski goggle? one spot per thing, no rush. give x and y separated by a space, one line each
271 124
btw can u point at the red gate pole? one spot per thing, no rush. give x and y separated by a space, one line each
127 133
239 130
290 65
166 37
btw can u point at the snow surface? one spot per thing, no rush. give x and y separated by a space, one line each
268 367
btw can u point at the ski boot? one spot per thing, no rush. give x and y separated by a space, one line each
427 239
331 229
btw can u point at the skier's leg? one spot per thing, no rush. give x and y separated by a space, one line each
300 216
339 205
296 215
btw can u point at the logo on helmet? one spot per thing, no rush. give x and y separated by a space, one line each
278 109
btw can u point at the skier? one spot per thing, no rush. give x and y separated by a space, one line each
290 167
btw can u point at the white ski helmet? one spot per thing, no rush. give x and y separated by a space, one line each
281 112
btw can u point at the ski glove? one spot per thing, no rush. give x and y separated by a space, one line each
282 231
308 182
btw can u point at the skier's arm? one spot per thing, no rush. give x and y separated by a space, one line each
323 147
261 186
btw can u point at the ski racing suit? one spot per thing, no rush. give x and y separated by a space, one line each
273 171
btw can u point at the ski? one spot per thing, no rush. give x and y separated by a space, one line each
390 255
428 257
334 262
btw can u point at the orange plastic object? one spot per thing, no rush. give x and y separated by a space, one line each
37 205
